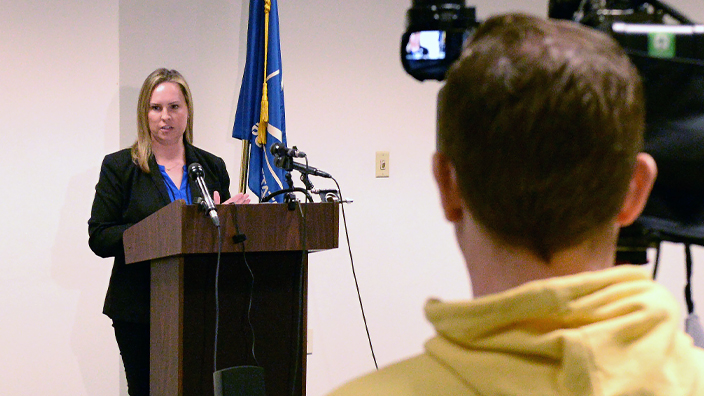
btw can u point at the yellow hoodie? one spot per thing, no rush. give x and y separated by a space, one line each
608 333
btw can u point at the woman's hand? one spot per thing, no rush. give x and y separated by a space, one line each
236 199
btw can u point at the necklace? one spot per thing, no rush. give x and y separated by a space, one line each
173 166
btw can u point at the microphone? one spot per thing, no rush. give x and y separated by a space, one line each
281 150
309 170
195 173
284 160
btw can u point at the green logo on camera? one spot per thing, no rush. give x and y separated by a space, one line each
661 45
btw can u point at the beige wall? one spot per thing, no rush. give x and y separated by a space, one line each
69 78
58 111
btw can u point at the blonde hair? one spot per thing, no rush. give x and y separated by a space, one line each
142 148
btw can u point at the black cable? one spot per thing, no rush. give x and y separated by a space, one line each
286 191
251 287
688 287
249 307
657 261
217 301
354 275
217 293
303 232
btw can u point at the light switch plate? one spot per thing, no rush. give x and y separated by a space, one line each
382 164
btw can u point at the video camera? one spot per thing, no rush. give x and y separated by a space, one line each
435 33
668 50
648 28
437 29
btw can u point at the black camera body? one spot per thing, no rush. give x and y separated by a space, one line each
668 50
646 28
435 33
437 29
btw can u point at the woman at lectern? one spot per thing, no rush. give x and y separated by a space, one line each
136 182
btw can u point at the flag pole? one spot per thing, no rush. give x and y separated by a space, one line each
244 166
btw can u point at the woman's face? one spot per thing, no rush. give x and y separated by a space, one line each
414 40
168 114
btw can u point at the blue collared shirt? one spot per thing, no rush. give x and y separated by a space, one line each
184 192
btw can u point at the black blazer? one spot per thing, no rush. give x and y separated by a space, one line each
124 196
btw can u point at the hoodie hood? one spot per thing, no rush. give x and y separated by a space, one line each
611 332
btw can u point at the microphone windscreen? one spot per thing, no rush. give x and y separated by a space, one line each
276 148
195 170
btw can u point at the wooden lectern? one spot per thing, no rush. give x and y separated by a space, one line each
182 244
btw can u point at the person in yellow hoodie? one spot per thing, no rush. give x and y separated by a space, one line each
538 164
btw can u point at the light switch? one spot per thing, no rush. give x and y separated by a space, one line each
382 164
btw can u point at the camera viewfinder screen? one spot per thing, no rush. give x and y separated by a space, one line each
429 44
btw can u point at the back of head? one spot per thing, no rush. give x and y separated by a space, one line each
542 120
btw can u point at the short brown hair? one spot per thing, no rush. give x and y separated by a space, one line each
542 120
142 148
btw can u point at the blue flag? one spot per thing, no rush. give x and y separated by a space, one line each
264 177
